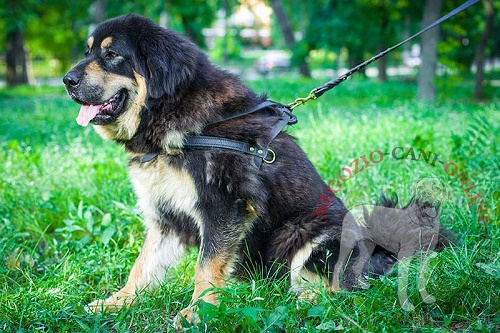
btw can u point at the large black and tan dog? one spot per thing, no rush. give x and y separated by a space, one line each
148 88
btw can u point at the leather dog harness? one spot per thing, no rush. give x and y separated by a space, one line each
260 153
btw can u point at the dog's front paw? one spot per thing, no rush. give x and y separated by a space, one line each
113 303
186 316
97 306
429 299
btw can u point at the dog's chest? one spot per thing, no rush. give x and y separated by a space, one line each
161 187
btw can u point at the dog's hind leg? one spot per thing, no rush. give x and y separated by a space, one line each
159 252
423 277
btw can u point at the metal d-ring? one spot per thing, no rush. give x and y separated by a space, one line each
272 159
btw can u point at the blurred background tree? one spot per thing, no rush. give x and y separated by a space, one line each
361 28
319 34
430 39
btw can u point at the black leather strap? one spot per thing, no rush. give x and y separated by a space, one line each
150 156
260 106
213 142
204 142
286 117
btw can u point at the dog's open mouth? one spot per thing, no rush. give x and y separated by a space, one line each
102 114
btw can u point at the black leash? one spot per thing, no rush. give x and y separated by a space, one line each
317 92
263 153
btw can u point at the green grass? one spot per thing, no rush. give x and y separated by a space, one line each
69 232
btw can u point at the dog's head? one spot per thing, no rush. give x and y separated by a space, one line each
128 61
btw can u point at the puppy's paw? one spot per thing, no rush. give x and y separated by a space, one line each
188 315
429 299
407 306
308 295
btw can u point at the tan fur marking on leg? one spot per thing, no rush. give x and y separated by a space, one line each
208 275
158 253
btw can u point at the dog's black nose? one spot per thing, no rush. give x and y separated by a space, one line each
71 80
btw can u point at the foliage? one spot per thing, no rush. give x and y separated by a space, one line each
229 45
364 27
58 28
338 25
461 35
359 26
58 31
354 30
69 232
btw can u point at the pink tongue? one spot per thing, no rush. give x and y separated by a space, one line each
87 113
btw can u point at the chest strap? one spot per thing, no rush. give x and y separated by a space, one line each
260 153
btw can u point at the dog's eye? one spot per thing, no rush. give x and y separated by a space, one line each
111 54
87 52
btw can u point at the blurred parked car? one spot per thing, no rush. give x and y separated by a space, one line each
273 61
411 57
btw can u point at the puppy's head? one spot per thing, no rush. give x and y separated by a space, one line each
128 61
429 194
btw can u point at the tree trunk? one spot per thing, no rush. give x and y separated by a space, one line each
98 14
481 47
285 27
427 73
98 11
287 31
15 59
188 30
225 41
382 63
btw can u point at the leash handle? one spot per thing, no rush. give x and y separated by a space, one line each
317 92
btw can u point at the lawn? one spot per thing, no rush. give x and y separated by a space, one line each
69 230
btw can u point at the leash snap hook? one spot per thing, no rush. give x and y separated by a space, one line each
273 158
302 100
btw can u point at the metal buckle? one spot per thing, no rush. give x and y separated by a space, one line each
272 159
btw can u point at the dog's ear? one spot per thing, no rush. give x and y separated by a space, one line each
167 60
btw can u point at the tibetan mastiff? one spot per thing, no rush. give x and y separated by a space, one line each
149 89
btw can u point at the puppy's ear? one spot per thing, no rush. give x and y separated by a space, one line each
168 62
